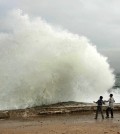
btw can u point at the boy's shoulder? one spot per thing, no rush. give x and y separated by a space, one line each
100 102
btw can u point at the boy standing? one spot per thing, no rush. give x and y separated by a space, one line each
99 107
110 107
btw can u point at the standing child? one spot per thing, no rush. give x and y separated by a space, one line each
99 107
110 107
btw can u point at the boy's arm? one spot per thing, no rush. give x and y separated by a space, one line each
106 100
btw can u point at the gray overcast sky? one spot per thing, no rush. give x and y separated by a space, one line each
99 20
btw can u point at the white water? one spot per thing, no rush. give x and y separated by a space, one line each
40 64
116 95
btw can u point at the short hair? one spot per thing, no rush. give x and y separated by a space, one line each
111 95
101 97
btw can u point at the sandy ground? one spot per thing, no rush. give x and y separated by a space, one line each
62 124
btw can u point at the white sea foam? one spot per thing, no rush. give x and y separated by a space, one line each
41 64
116 95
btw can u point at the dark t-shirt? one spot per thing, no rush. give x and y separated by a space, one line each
100 102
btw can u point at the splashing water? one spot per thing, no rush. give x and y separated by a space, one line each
41 64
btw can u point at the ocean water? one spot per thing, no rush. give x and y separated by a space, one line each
117 82
41 64
116 88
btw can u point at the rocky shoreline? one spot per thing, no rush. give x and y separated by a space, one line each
58 108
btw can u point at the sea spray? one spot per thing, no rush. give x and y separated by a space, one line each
41 64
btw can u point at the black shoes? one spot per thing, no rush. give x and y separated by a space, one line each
108 117
105 117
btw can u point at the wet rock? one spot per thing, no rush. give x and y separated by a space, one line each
4 115
59 108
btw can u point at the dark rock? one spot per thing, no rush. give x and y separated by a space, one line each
59 108
4 115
